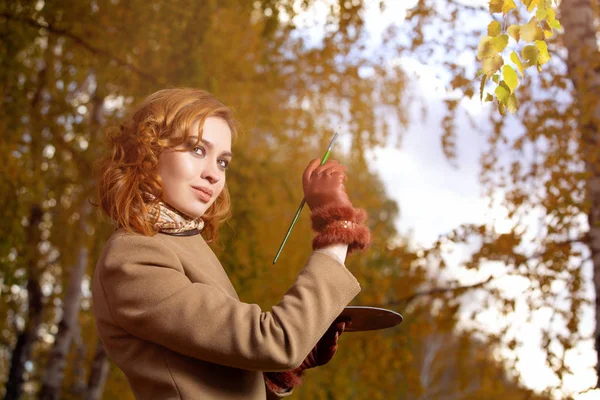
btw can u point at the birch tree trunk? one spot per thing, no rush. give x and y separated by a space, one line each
26 339
57 361
79 386
577 17
98 374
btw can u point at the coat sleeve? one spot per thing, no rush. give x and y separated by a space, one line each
149 296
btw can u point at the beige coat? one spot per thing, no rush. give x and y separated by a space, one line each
170 318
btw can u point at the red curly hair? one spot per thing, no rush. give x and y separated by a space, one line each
163 120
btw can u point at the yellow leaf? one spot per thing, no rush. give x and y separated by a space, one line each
542 9
541 14
530 4
495 78
494 28
496 6
489 97
514 32
543 56
548 34
502 93
545 26
546 4
514 57
551 14
499 43
531 31
501 108
512 104
483 81
485 48
492 64
510 77
507 6
556 24
530 55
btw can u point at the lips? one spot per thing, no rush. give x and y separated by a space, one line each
204 194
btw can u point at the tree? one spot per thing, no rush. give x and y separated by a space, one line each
70 69
62 74
544 173
580 41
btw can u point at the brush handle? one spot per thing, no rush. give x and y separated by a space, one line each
325 157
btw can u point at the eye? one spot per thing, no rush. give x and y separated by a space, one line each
223 163
199 150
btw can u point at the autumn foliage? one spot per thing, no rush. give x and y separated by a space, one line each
69 70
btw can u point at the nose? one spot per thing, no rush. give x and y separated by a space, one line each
211 173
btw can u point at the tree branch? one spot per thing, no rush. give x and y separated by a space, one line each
86 45
467 6
583 239
435 291
441 290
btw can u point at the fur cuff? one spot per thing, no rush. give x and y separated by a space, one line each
322 216
357 238
281 382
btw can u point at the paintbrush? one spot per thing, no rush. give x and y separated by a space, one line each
325 157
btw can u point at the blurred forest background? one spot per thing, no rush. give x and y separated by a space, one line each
70 69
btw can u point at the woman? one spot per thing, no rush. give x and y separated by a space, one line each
165 309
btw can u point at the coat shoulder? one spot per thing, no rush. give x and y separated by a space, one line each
124 248
132 243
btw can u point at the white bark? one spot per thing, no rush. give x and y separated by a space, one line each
98 374
577 18
55 368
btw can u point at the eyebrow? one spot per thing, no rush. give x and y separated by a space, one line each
211 146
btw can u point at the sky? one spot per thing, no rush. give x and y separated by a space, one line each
418 176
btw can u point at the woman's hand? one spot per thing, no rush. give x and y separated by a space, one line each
324 184
321 354
326 347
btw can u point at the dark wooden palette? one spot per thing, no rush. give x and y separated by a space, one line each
366 318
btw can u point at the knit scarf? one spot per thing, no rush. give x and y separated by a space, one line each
170 220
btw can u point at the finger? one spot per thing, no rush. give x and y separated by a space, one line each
339 176
329 338
312 165
339 169
343 323
334 332
330 165
343 318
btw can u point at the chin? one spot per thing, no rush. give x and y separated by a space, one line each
196 213
199 211
192 212
196 209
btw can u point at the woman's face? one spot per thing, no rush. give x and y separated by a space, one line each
193 179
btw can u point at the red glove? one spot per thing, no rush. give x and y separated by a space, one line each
327 345
321 354
333 217
324 184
